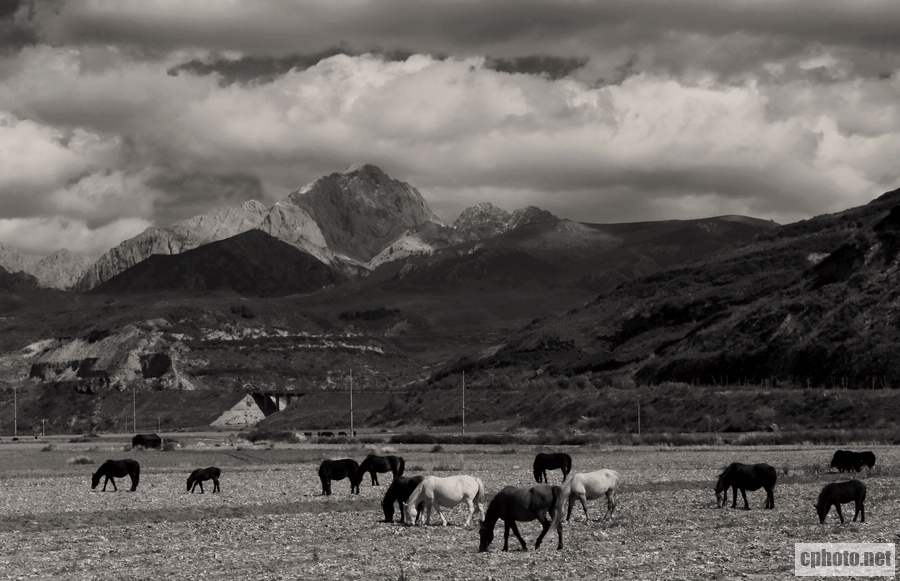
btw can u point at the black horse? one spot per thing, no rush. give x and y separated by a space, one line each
746 477
845 460
838 493
399 492
374 464
338 470
200 474
542 502
113 469
544 462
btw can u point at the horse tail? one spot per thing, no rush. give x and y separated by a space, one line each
557 505
568 465
136 476
479 497
401 466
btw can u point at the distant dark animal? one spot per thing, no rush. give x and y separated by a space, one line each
374 464
342 433
845 460
113 469
399 492
326 434
544 462
746 477
307 434
338 470
200 474
838 493
146 441
584 486
446 492
542 502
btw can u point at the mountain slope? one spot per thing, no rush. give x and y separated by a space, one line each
813 302
217 225
250 264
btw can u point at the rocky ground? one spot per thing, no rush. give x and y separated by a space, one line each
271 522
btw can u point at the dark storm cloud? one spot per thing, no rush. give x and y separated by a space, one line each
549 66
16 27
265 69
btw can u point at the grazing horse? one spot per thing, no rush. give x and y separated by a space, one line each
544 462
374 464
838 493
200 474
338 470
542 502
113 469
399 492
746 477
845 460
585 486
446 492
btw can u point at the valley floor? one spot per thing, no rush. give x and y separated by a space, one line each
271 521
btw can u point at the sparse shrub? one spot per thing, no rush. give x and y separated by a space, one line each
170 445
437 449
48 448
80 460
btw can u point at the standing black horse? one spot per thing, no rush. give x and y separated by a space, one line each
374 464
200 474
838 493
746 477
544 462
113 469
338 470
542 502
399 492
845 460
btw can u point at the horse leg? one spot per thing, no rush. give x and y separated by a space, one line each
746 504
862 511
610 503
471 506
583 500
216 485
770 497
437 509
200 482
515 530
837 505
505 536
545 524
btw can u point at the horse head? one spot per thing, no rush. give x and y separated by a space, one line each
722 490
486 533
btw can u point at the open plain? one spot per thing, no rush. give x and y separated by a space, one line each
271 522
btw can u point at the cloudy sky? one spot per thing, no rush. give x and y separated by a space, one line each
116 115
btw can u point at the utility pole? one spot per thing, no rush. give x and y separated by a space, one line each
15 413
351 403
43 425
464 403
133 410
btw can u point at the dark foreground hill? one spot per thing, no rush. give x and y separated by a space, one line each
250 264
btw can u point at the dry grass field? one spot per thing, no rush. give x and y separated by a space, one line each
271 522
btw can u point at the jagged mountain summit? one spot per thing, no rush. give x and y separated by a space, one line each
343 220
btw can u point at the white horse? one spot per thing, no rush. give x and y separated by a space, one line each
586 486
446 492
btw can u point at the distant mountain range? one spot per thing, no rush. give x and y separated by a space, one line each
359 220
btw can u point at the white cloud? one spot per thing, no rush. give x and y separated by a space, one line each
41 236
